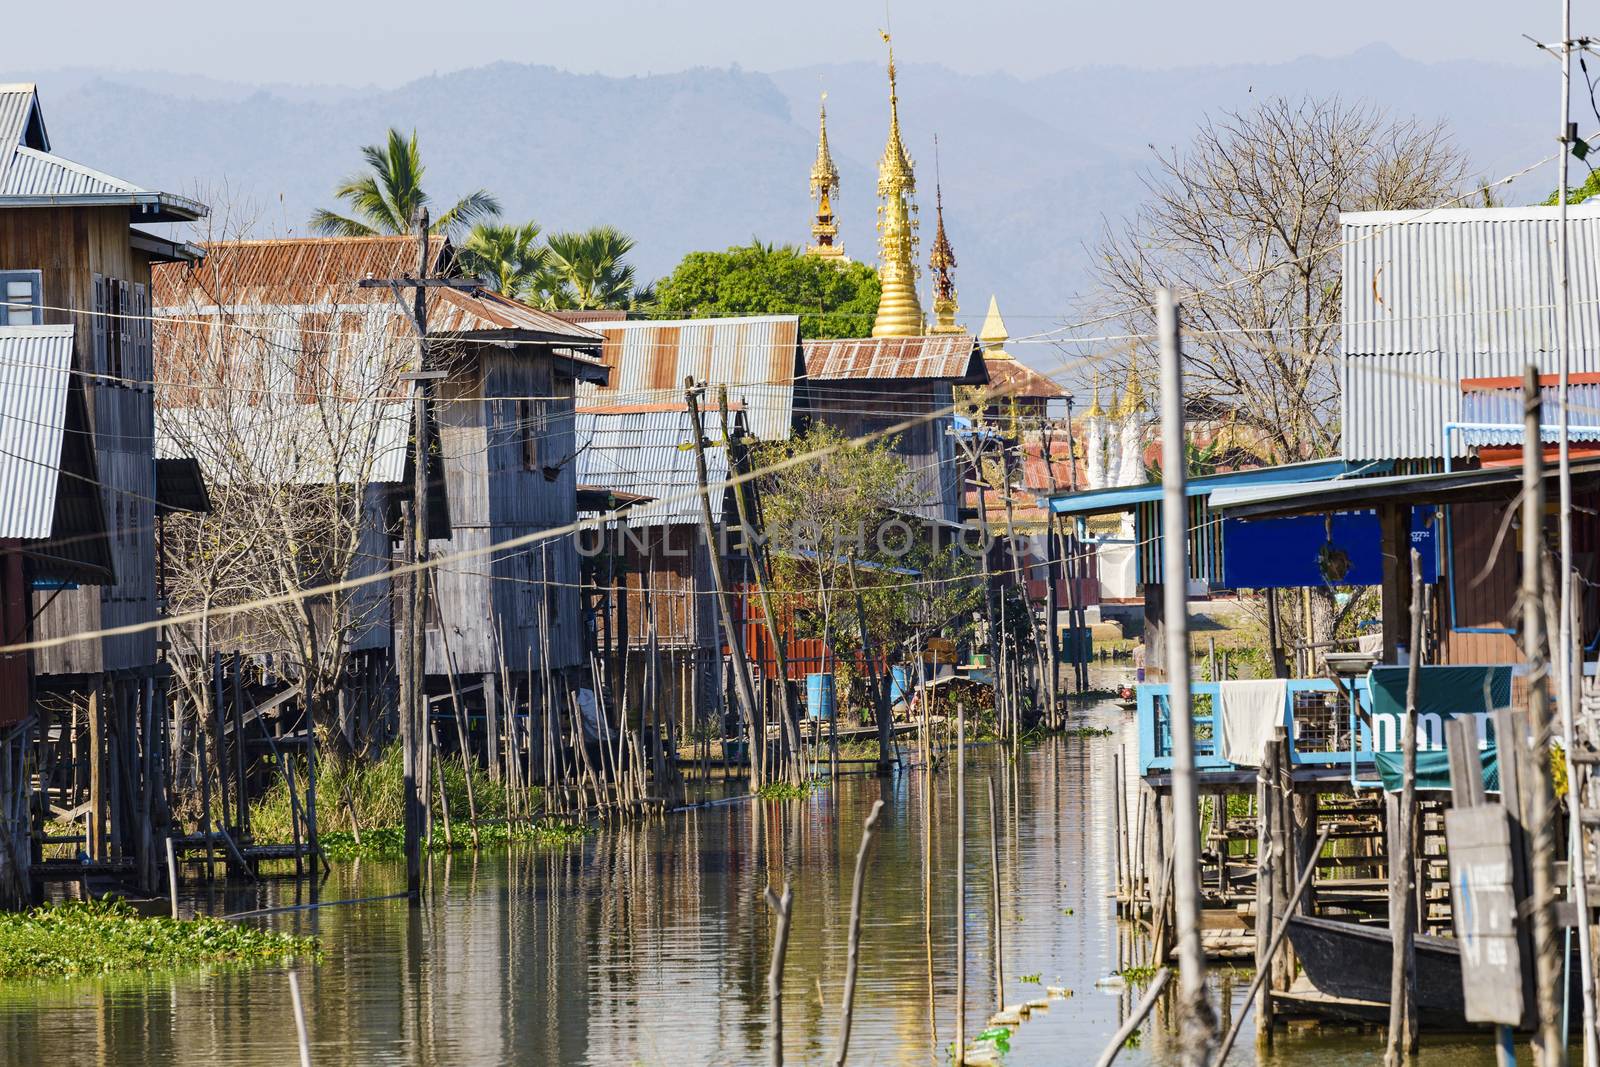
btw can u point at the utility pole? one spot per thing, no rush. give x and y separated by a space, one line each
744 689
1566 648
1551 1044
1197 1023
414 694
763 573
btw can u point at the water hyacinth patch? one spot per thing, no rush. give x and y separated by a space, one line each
105 936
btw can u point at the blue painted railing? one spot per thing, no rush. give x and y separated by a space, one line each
1323 730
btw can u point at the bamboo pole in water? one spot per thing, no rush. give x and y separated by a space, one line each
780 948
461 718
994 877
854 956
1125 1031
299 1020
172 878
961 884
1278 933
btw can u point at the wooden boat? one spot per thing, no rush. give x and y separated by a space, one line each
1353 962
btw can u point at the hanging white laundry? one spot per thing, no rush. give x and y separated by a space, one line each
1250 712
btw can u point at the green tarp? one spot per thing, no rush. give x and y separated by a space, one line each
1433 769
1443 691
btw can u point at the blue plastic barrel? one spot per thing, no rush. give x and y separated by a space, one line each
819 696
900 688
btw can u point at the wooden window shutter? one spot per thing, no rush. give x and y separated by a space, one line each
144 364
98 330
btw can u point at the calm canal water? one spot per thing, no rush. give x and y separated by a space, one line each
650 945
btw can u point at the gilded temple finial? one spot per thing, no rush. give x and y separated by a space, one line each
824 187
899 310
942 261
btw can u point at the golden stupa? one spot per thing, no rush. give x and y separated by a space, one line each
899 311
824 186
941 262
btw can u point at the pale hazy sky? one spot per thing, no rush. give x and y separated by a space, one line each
387 43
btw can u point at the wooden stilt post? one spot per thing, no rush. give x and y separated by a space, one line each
1267 861
1197 1021
961 885
1402 1040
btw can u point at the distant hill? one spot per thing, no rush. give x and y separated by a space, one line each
705 158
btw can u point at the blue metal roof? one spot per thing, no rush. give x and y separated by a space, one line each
1126 498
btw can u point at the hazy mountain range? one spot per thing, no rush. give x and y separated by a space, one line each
1031 168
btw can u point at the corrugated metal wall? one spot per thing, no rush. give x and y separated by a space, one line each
1433 298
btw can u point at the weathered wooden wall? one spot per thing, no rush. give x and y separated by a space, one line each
856 407
78 252
506 435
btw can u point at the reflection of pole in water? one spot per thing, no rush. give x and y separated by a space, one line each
961 884
994 877
927 896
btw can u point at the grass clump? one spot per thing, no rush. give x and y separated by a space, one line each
788 790
1138 975
101 937
389 842
364 798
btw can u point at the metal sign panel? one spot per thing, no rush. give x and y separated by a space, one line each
1485 910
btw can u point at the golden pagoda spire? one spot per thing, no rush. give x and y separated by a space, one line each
994 334
824 186
899 311
1095 410
941 261
1133 397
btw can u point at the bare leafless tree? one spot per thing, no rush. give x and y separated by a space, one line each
1244 226
300 423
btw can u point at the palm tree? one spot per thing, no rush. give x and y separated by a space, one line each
508 258
385 199
587 270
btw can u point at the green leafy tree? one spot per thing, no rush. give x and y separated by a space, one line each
1578 194
833 299
383 200
510 259
587 270
838 507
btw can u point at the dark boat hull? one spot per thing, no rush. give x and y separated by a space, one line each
1346 960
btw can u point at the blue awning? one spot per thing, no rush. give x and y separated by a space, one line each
1125 498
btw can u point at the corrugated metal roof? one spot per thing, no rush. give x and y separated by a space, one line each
1430 299
1493 416
1127 497
1011 377
946 356
636 450
757 358
21 122
35 173
280 440
30 176
321 273
35 375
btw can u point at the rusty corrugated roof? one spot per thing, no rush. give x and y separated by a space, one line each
319 273
945 357
756 357
1009 377
593 315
